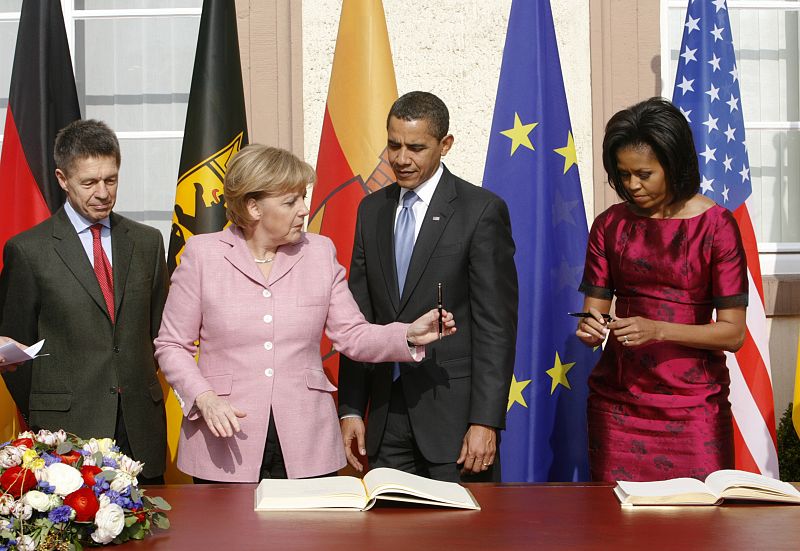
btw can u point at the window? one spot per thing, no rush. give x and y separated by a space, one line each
766 38
133 63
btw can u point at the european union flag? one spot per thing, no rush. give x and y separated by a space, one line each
531 163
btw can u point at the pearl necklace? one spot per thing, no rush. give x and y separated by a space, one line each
264 260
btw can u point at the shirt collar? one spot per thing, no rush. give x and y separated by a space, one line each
425 190
79 222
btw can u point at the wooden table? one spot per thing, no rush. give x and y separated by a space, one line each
514 516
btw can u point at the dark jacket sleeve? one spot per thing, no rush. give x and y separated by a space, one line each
493 301
19 305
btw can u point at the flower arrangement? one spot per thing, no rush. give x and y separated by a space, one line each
60 492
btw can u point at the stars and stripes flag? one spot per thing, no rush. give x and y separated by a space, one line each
707 93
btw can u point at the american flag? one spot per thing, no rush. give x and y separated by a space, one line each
707 93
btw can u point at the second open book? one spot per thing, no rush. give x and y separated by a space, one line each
718 486
355 494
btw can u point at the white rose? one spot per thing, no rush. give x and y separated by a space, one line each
110 521
26 543
21 510
122 481
64 478
38 500
54 501
6 503
11 456
129 466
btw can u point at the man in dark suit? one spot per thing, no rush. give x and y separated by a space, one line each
93 284
440 418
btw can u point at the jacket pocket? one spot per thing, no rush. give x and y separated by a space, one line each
155 391
50 401
446 249
457 367
317 380
312 300
221 384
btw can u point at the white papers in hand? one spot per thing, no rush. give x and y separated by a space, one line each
14 355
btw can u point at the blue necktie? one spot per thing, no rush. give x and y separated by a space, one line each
403 247
404 238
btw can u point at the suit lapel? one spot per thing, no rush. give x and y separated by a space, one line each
242 259
439 214
122 246
385 240
239 255
69 249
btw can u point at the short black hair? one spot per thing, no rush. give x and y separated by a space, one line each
657 123
84 139
417 105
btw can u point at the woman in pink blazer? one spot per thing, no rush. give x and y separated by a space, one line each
257 297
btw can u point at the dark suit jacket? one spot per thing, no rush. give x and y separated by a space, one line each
48 290
465 243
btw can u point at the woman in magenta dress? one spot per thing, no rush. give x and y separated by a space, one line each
658 401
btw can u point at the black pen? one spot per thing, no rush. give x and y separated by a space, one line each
439 308
606 317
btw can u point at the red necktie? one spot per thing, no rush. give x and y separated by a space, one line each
102 269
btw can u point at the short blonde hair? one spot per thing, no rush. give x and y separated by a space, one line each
259 171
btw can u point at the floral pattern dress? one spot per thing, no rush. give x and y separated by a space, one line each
661 410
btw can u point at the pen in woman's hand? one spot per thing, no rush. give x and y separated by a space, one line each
439 309
606 317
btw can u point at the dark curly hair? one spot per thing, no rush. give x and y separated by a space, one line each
657 123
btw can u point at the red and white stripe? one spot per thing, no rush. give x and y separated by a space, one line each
751 381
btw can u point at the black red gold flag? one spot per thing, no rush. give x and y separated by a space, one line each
42 100
216 128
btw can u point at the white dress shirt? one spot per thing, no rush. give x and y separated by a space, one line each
82 226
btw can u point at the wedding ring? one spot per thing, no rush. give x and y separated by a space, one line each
487 464
626 339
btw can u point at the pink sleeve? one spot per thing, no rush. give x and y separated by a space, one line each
180 330
353 336
596 281
729 285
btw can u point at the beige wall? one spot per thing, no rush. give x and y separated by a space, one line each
452 48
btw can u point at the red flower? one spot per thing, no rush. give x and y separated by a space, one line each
28 442
139 514
16 481
84 502
70 458
88 472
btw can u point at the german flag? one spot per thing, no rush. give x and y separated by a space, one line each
41 101
216 128
352 158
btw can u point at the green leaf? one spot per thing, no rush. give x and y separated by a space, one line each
160 503
161 521
137 532
135 493
130 520
108 476
98 459
64 447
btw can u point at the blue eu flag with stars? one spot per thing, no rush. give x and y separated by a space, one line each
531 163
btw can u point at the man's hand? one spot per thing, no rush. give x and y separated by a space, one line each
478 449
222 418
353 427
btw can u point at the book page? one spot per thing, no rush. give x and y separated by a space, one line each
675 490
311 493
734 484
383 481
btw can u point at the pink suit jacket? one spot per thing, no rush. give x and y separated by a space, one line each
259 349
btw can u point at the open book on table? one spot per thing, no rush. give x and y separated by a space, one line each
356 494
718 486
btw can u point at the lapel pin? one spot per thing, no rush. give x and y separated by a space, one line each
435 218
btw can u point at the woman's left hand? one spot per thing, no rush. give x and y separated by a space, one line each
634 331
425 329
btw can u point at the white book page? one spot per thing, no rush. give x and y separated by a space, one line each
334 491
729 480
671 487
382 481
